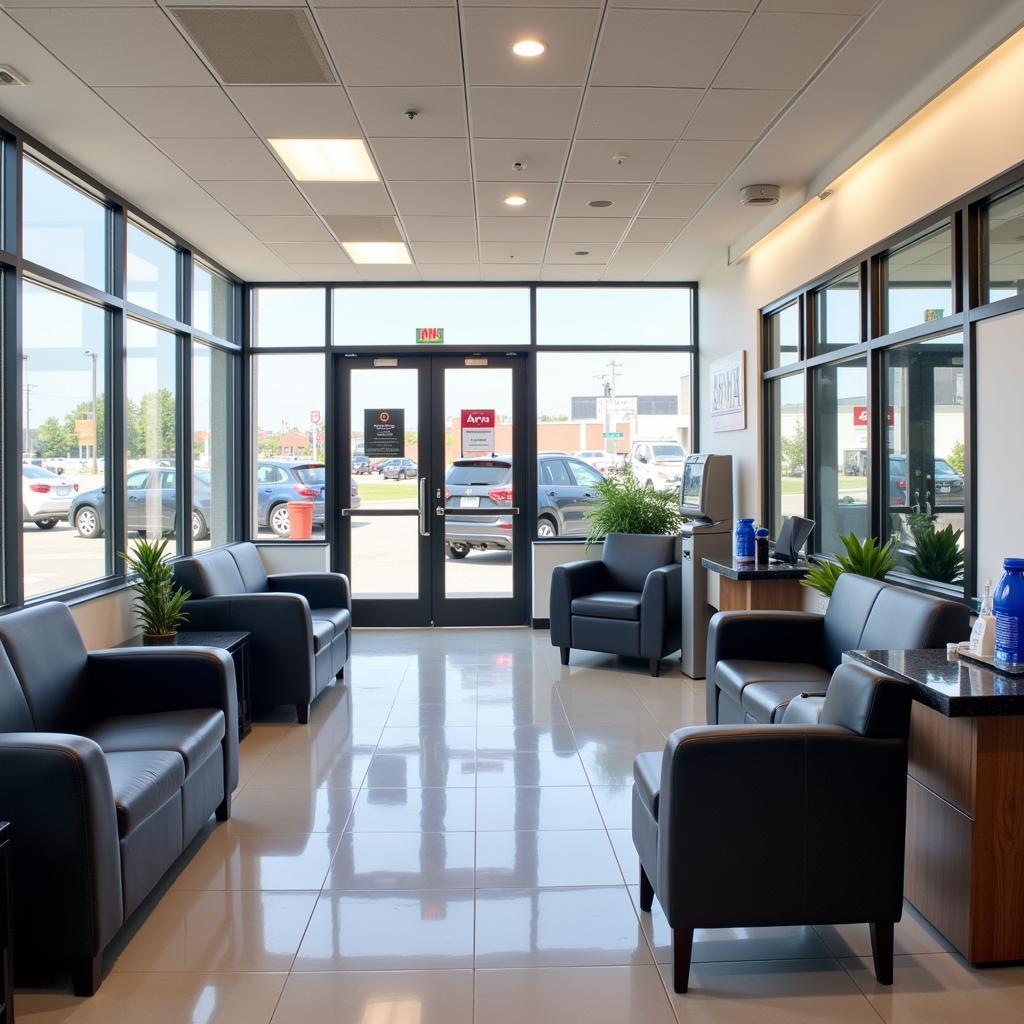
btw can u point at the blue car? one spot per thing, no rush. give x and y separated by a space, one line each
279 481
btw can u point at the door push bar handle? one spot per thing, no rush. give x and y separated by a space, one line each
503 510
424 521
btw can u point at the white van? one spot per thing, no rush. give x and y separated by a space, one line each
657 464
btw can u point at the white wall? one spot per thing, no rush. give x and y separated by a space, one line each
967 135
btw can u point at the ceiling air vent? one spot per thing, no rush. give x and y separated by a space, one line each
258 46
8 76
759 195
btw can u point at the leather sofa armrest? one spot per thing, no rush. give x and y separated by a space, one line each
660 609
320 589
569 581
55 789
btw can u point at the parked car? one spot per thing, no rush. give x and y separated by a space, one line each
279 481
148 489
45 497
603 462
397 469
360 464
948 489
657 464
566 490
355 500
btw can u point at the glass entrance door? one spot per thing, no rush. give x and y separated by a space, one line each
432 532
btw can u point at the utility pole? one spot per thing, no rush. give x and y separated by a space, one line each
608 380
95 421
26 445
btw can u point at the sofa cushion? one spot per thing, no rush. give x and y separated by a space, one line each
903 620
629 558
608 604
847 614
14 713
736 674
194 733
323 633
211 574
339 618
647 779
767 702
142 781
250 567
803 711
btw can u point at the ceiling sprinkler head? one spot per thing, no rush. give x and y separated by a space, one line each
519 165
619 159
412 114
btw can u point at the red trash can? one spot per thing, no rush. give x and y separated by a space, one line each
300 520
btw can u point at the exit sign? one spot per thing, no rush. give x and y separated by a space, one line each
429 335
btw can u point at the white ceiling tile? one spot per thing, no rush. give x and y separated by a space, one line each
531 3
326 271
655 229
639 253
740 114
622 160
568 253
297 111
575 197
423 159
117 46
309 252
668 48
380 3
523 113
434 198
222 159
286 229
675 200
356 228
819 6
584 272
511 252
703 161
490 32
444 252
508 272
781 51
440 111
394 46
14 4
388 272
588 229
360 197
514 229
450 271
690 5
440 229
258 197
539 195
169 112
542 159
610 113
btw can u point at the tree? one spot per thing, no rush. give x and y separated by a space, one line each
83 411
957 457
52 439
151 426
792 451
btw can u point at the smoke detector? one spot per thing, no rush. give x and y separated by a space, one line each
8 76
759 195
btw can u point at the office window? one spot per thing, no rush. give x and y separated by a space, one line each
289 317
152 272
614 316
64 507
213 446
287 390
63 228
448 316
841 421
919 280
789 447
151 395
926 487
783 336
837 313
213 302
1005 252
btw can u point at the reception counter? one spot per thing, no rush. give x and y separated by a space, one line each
742 587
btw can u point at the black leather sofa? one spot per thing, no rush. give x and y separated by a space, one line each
110 763
629 602
765 826
300 622
759 661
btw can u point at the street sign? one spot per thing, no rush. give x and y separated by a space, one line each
429 335
314 416
612 433
478 426
384 433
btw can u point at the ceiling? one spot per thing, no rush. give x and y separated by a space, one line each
663 108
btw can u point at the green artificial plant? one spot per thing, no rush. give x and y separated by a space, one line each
937 554
864 558
624 505
158 602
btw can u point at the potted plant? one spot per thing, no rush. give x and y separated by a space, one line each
865 558
158 601
624 505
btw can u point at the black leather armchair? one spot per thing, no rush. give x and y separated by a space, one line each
110 764
780 825
300 623
629 602
760 662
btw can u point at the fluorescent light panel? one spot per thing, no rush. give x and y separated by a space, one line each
326 159
378 252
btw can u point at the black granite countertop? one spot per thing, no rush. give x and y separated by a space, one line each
957 688
749 571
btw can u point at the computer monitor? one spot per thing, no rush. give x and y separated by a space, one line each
793 535
706 488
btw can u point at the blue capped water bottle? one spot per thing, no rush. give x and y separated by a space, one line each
745 540
1009 608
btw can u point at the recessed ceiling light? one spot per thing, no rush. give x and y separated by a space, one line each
378 252
600 204
515 200
528 47
326 159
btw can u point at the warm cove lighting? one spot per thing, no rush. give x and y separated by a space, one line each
528 47
515 200
377 252
326 159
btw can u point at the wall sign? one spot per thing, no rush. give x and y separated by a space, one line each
860 416
384 433
478 430
729 392
429 335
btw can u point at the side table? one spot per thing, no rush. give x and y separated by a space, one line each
234 643
6 968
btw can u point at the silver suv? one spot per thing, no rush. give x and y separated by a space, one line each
657 464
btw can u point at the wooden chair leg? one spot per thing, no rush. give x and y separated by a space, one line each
882 939
302 712
565 655
655 666
682 948
86 974
646 892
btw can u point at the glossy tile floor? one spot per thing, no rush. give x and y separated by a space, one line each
448 841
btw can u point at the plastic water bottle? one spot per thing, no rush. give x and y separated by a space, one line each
745 540
1009 609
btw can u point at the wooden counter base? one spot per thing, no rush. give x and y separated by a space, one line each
744 595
